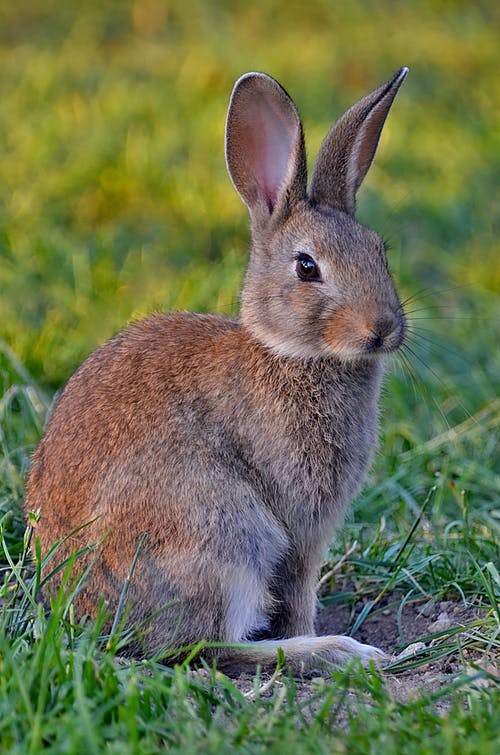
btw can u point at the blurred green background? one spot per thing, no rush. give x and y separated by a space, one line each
114 198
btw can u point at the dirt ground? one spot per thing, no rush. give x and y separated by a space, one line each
381 628
417 621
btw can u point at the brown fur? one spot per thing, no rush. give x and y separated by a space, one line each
235 446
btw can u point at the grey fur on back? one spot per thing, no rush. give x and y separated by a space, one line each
235 446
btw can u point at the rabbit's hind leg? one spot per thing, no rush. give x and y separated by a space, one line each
304 655
212 585
226 602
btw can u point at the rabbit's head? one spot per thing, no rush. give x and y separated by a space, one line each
317 283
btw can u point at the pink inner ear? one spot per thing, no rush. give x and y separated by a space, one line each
264 150
368 141
271 137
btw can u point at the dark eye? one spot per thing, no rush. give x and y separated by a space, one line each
306 268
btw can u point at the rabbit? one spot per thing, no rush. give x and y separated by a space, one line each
219 455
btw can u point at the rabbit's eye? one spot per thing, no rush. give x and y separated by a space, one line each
306 268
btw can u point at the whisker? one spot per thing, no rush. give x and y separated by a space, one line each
423 309
426 292
423 337
438 378
424 389
421 328
408 372
471 318
422 361
420 387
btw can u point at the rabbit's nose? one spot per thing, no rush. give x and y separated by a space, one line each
384 325
380 329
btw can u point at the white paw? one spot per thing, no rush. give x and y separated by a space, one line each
365 653
339 649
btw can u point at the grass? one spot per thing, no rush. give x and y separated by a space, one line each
114 201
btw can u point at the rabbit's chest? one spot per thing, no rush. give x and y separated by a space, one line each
329 464
318 461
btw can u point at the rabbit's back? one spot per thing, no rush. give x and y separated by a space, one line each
123 412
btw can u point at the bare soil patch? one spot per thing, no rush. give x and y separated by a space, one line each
417 620
390 633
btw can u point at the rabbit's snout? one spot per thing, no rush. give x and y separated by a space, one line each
353 331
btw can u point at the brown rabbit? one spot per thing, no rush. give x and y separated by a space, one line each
236 445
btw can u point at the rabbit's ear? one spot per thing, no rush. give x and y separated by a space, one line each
265 151
349 147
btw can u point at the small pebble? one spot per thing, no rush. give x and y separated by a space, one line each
411 650
442 623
